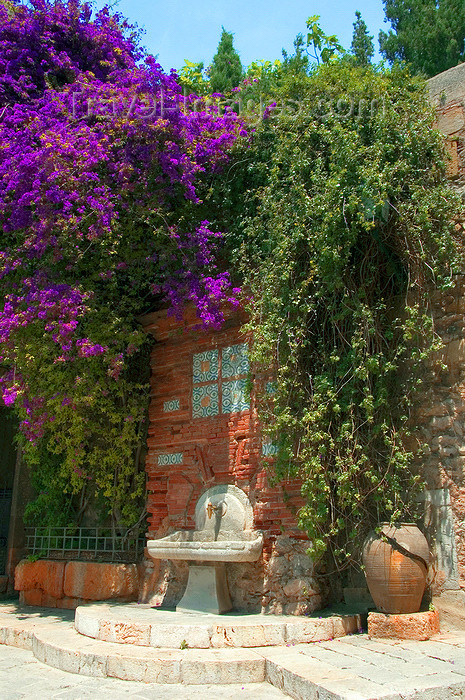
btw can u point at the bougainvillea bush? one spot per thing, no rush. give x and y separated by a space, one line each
101 166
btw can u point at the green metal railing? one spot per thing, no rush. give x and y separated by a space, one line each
98 544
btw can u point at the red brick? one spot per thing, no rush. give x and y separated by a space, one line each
230 444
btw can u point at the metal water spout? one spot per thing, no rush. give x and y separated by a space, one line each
214 509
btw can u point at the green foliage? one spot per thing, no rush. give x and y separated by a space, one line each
310 50
287 79
226 68
35 557
75 465
53 505
192 79
264 76
345 218
362 47
429 35
321 47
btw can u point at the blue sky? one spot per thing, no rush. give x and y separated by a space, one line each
176 30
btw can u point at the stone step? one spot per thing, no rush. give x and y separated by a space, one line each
145 626
19 631
451 608
347 668
69 651
357 668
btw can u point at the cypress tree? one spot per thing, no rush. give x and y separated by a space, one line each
226 68
362 43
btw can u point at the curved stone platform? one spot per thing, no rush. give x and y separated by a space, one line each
72 652
341 669
145 626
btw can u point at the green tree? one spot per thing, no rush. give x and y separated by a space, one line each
362 43
429 35
226 68
320 46
192 79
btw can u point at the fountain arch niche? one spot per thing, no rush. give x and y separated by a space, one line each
203 434
223 533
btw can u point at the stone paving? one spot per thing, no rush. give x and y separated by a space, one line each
349 668
23 677
357 668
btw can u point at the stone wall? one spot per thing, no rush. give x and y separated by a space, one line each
67 584
447 94
203 431
440 419
440 423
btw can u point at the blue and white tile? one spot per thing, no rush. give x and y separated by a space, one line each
234 397
269 448
169 458
205 366
205 401
234 361
170 406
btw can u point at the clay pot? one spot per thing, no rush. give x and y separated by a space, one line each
396 567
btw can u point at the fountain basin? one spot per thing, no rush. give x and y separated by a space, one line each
197 546
223 534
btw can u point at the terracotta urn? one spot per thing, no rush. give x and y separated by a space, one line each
396 562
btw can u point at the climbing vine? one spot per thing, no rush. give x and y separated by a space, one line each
346 232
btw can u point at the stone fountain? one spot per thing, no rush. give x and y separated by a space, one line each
223 533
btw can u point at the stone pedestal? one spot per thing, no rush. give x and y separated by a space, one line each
419 626
207 590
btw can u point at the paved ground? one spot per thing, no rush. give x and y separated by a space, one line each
350 668
23 677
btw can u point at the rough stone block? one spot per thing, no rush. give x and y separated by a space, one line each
174 636
86 624
32 597
44 574
124 632
313 630
92 665
239 666
347 624
70 603
164 669
419 626
248 635
14 637
49 601
100 581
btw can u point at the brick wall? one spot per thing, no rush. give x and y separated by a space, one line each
189 453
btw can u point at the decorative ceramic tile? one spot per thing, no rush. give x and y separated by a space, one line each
234 361
170 406
169 458
205 366
234 397
205 401
268 447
